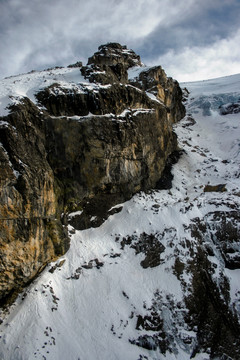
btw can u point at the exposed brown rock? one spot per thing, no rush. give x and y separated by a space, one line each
167 90
215 188
30 234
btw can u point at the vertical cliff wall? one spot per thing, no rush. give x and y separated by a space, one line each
30 233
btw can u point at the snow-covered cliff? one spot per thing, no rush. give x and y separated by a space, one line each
81 138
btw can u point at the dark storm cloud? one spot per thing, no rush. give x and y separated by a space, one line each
202 26
37 34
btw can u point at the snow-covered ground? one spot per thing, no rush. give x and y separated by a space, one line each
91 305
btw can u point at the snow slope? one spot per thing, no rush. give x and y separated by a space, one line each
90 303
14 88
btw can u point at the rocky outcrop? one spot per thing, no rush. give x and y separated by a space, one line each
114 54
155 81
103 100
231 108
110 64
83 147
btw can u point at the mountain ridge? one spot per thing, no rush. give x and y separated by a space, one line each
77 139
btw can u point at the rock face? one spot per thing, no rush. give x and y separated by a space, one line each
82 147
155 81
30 233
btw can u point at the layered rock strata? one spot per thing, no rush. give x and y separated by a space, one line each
80 148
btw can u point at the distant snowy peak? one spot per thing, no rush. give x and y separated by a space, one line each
224 84
221 95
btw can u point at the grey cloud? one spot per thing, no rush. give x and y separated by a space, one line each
38 33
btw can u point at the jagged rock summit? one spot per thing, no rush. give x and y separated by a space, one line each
81 139
113 54
111 63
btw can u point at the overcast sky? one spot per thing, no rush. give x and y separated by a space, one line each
190 39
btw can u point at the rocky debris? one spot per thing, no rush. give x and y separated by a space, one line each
217 188
49 341
189 121
76 274
78 64
56 266
83 146
185 94
231 108
93 263
148 244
